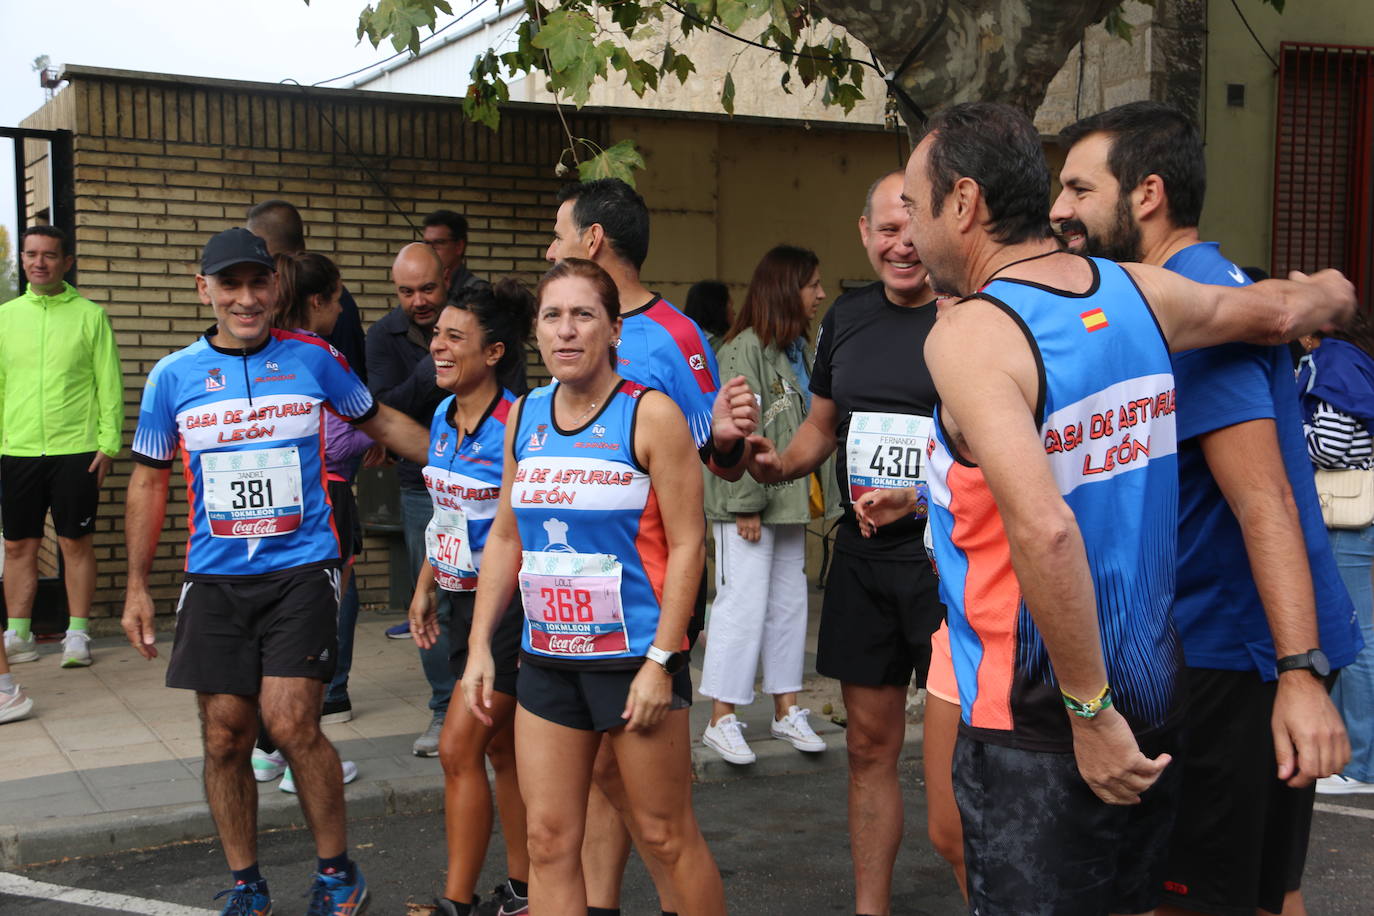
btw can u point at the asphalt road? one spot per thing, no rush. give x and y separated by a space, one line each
781 844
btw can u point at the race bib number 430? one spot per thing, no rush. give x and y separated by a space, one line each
572 604
252 494
887 451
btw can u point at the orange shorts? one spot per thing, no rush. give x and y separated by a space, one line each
940 681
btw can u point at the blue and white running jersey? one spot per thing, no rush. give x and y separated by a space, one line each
463 473
250 429
663 349
1107 420
595 551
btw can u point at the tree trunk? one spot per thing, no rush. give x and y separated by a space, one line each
968 50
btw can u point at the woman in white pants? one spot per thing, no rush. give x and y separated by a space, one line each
760 531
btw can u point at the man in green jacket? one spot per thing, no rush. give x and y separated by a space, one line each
61 413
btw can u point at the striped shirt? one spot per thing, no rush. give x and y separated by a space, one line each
1336 440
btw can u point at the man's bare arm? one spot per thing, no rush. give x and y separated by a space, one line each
1309 739
145 507
987 381
813 443
1196 315
398 432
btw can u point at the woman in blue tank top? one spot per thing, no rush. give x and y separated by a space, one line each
600 532
478 338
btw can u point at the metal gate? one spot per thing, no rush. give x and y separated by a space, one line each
1324 163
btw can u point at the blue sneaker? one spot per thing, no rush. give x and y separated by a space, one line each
335 895
400 631
247 900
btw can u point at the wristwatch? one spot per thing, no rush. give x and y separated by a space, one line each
671 662
1314 660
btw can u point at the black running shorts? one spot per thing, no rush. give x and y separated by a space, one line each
587 700
505 642
29 487
877 619
1038 842
232 633
1240 842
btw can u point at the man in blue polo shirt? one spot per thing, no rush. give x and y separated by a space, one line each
1263 615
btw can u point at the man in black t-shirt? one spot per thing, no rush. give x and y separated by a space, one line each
872 398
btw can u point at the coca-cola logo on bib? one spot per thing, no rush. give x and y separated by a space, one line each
574 645
257 528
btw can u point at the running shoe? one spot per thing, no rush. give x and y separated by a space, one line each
267 767
446 907
400 631
288 782
335 895
795 729
14 706
20 650
246 900
503 902
726 738
76 650
336 711
1334 785
427 745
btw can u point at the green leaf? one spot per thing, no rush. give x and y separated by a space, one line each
566 35
677 63
619 161
727 94
733 13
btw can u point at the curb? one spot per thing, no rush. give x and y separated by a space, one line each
53 839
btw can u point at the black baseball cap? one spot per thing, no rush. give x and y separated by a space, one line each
234 246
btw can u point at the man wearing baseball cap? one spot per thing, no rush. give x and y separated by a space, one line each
244 407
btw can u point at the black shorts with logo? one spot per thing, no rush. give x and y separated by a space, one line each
231 633
1038 842
877 618
505 641
29 487
590 700
1240 843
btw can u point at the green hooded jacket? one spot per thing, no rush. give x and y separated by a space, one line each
61 389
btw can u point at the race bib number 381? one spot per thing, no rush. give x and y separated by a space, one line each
572 604
252 494
887 451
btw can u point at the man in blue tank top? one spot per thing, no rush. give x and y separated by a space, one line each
606 221
1260 608
1054 517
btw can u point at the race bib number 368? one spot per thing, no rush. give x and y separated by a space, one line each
572 604
887 451
252 494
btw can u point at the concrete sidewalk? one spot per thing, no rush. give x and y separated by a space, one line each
110 759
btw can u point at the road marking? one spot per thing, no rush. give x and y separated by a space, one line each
26 887
1344 809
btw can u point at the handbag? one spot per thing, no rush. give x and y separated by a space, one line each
1347 497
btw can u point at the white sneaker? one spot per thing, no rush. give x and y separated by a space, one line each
267 767
1343 785
726 738
20 650
796 730
288 782
14 706
76 650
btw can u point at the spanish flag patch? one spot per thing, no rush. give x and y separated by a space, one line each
1094 320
